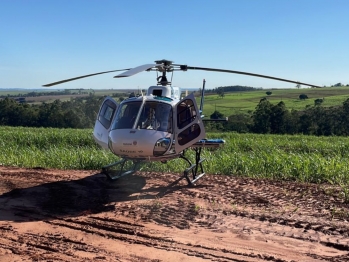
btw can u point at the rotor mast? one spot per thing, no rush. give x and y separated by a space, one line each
164 66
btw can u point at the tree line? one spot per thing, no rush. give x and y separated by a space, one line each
75 113
268 118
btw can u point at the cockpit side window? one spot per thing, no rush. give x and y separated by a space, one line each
165 117
127 115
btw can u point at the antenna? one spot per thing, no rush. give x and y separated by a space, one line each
202 95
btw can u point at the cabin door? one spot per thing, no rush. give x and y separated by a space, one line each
104 121
188 125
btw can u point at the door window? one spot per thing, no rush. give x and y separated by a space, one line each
107 113
186 113
189 127
189 134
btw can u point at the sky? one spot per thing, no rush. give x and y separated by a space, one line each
46 41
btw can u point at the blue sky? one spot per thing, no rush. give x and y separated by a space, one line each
46 41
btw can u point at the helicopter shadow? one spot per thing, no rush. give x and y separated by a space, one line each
90 195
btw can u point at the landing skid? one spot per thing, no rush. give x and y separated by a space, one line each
117 169
194 168
126 167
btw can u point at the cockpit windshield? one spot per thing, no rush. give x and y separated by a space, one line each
152 115
127 115
157 116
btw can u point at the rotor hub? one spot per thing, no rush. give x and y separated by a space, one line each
164 62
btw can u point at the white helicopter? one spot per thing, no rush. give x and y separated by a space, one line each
158 126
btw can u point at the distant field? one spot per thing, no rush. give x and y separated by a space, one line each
15 92
243 102
233 102
51 98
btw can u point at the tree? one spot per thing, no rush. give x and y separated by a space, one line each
278 118
220 92
344 118
303 96
216 115
219 125
268 93
292 122
240 123
261 117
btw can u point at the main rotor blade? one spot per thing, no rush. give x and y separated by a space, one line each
136 70
79 77
249 74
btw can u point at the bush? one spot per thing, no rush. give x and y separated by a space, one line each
318 101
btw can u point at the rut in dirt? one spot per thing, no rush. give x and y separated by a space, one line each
122 211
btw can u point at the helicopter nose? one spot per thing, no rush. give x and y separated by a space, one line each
136 143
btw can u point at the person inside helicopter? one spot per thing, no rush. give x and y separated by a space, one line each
156 116
151 122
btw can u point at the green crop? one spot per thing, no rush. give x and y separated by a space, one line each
51 148
284 157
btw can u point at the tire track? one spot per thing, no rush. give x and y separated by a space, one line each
136 234
72 216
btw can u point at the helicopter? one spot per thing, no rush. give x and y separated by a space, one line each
158 126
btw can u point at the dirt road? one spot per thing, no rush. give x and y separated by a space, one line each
56 215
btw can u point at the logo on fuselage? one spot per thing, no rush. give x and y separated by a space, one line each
134 143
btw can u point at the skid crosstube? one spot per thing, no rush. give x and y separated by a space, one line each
197 170
194 169
117 169
122 168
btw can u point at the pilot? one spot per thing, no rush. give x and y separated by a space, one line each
151 122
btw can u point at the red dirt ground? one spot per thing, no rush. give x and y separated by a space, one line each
56 215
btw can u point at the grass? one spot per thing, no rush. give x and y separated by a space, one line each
51 148
297 158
